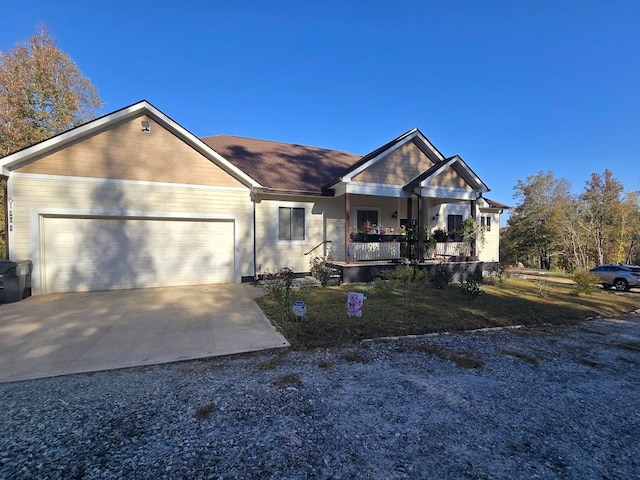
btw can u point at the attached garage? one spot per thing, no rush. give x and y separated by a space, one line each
129 200
80 254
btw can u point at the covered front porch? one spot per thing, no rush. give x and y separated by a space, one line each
407 202
418 229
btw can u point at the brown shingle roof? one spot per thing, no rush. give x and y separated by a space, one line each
494 204
283 166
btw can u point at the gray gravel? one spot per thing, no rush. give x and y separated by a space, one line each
554 402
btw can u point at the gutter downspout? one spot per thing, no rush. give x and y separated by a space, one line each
255 255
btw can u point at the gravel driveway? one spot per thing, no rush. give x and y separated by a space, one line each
555 402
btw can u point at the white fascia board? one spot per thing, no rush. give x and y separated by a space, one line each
377 158
448 193
481 186
429 145
376 189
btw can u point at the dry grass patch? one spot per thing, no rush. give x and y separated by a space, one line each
204 411
588 363
354 356
631 346
324 364
521 356
287 380
274 362
461 359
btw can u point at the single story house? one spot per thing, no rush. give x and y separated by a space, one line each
133 199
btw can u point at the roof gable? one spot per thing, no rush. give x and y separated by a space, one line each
396 167
452 173
128 151
31 154
371 159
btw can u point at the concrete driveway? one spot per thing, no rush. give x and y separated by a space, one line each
58 334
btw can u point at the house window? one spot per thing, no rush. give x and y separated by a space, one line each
367 217
291 223
482 224
488 226
454 223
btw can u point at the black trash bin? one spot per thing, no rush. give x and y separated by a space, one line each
15 280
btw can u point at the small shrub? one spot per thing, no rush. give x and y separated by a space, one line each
543 287
320 270
401 274
585 282
497 275
440 276
471 288
278 285
401 277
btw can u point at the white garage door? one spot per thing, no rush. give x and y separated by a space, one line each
81 254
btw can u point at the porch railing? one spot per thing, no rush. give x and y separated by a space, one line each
374 250
363 251
449 249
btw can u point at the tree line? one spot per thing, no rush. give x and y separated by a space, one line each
552 228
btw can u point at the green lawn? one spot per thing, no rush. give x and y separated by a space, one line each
392 309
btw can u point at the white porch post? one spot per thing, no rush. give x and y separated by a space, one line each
347 223
474 242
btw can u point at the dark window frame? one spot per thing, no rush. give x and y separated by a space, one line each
293 226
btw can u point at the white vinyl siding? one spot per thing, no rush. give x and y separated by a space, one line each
38 196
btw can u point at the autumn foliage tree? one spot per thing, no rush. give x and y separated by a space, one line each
42 93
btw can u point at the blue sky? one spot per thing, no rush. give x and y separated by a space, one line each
513 87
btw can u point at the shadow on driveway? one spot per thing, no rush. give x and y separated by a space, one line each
58 334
